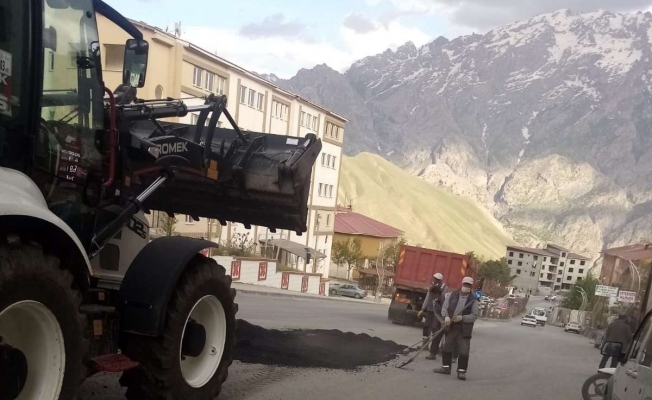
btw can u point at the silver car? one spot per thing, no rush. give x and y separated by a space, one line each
351 291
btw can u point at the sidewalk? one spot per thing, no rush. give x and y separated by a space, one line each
269 291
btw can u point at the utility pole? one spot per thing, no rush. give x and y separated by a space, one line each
314 260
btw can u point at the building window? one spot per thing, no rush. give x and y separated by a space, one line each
243 94
302 118
114 56
314 122
561 264
511 254
323 157
328 220
581 262
308 120
220 85
531 273
518 272
581 271
542 275
196 77
568 278
572 262
560 272
563 254
328 160
330 191
520 255
189 220
252 97
210 79
334 162
320 186
519 263
570 270
579 278
545 258
536 258
509 262
558 279
261 101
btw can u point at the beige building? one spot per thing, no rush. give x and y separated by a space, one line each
179 69
551 269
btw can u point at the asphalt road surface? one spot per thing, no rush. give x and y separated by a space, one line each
507 360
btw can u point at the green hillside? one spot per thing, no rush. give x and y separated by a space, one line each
428 215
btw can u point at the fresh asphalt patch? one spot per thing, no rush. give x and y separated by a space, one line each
314 348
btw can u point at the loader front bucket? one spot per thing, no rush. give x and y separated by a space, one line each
265 181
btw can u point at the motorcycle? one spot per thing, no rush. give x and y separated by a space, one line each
597 385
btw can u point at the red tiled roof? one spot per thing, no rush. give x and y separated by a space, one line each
352 223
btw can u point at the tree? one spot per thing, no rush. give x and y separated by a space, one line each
496 270
574 300
347 252
391 253
167 224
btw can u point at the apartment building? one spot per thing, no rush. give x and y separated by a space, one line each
550 269
179 69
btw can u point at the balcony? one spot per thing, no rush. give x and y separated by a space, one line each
554 260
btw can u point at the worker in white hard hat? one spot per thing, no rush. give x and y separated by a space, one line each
431 304
460 310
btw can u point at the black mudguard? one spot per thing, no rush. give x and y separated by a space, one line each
398 312
150 280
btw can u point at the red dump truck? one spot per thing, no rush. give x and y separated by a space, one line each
414 272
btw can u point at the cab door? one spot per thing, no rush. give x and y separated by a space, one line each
630 378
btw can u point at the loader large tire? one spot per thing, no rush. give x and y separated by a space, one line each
39 316
203 294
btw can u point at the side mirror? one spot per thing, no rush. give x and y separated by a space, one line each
613 349
135 63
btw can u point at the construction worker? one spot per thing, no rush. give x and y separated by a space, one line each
431 304
460 310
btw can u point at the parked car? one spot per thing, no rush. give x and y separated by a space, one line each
547 297
572 327
351 291
529 320
332 288
553 297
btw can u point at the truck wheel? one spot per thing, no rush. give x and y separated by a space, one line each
41 330
190 360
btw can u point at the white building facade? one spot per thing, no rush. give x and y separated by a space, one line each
551 269
258 105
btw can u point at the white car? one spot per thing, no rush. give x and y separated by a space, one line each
553 297
572 327
529 320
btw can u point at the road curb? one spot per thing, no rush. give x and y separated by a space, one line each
299 296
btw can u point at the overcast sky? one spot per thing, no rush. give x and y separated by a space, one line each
283 36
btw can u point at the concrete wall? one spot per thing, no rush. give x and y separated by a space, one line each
250 269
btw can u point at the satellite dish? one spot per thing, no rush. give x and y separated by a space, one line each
177 29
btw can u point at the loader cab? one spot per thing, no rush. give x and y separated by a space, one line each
52 116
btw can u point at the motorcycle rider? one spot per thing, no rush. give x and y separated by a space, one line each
618 331
460 310
432 304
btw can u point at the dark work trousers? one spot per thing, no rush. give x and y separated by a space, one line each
603 362
454 338
427 327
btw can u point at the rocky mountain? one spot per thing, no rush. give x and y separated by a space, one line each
547 122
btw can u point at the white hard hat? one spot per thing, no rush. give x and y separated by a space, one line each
467 279
438 276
